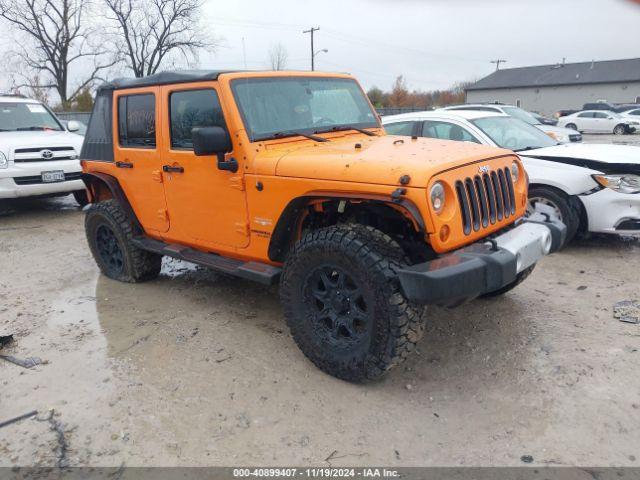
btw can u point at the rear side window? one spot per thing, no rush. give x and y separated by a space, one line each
400 128
137 120
586 115
191 109
446 131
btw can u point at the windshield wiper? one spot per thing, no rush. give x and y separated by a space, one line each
315 138
526 148
34 128
349 127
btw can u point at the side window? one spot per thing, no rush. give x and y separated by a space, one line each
586 115
193 108
600 115
137 120
447 131
400 128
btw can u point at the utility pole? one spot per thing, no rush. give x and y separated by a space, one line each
311 30
498 62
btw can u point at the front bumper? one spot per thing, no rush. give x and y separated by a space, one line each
611 212
482 267
28 175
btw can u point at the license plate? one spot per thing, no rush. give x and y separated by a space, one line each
54 176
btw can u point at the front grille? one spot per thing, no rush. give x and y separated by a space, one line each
575 138
34 154
37 179
486 199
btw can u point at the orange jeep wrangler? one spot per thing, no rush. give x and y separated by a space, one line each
290 177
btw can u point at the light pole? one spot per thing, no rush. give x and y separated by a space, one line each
313 63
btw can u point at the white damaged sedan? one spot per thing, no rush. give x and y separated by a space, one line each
592 188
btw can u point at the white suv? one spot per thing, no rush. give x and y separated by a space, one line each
38 157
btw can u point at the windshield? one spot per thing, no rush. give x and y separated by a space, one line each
520 114
514 134
26 116
276 107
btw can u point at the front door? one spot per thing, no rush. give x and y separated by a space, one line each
137 155
207 206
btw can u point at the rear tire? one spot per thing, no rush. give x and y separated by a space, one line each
343 303
560 201
109 234
81 197
572 126
620 130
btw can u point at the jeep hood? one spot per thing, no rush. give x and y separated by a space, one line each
380 160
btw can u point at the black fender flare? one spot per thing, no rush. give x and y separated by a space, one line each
283 231
117 192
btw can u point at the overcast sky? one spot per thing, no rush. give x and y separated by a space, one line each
434 43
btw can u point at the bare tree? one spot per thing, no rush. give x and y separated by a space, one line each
278 56
152 33
56 38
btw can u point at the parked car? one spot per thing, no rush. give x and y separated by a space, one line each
625 107
75 126
591 187
599 121
562 135
38 157
599 106
544 120
564 113
632 114
289 177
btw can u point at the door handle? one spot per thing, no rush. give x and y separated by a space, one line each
172 169
124 164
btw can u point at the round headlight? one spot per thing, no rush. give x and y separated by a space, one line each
437 197
515 171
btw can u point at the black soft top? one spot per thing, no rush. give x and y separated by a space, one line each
164 78
98 140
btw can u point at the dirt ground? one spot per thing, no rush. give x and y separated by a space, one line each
198 369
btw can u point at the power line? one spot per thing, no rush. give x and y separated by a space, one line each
498 62
313 52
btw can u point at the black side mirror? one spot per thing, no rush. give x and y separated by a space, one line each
214 141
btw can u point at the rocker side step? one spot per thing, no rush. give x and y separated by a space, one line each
255 271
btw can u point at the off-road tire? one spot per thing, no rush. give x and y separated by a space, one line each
372 259
521 277
81 197
137 265
620 129
570 214
572 126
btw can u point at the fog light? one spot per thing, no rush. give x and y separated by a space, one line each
444 233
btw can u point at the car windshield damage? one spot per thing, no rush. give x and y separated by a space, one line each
514 134
15 117
279 107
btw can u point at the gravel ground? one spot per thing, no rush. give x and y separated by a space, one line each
198 369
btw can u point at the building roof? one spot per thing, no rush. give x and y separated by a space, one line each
164 78
608 71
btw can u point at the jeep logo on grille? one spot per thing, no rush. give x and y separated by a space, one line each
46 154
484 169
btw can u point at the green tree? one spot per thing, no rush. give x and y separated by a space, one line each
83 101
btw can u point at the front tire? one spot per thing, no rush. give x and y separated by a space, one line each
109 234
343 304
572 126
81 197
620 130
561 203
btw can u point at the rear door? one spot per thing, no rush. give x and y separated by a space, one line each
137 155
585 122
207 206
